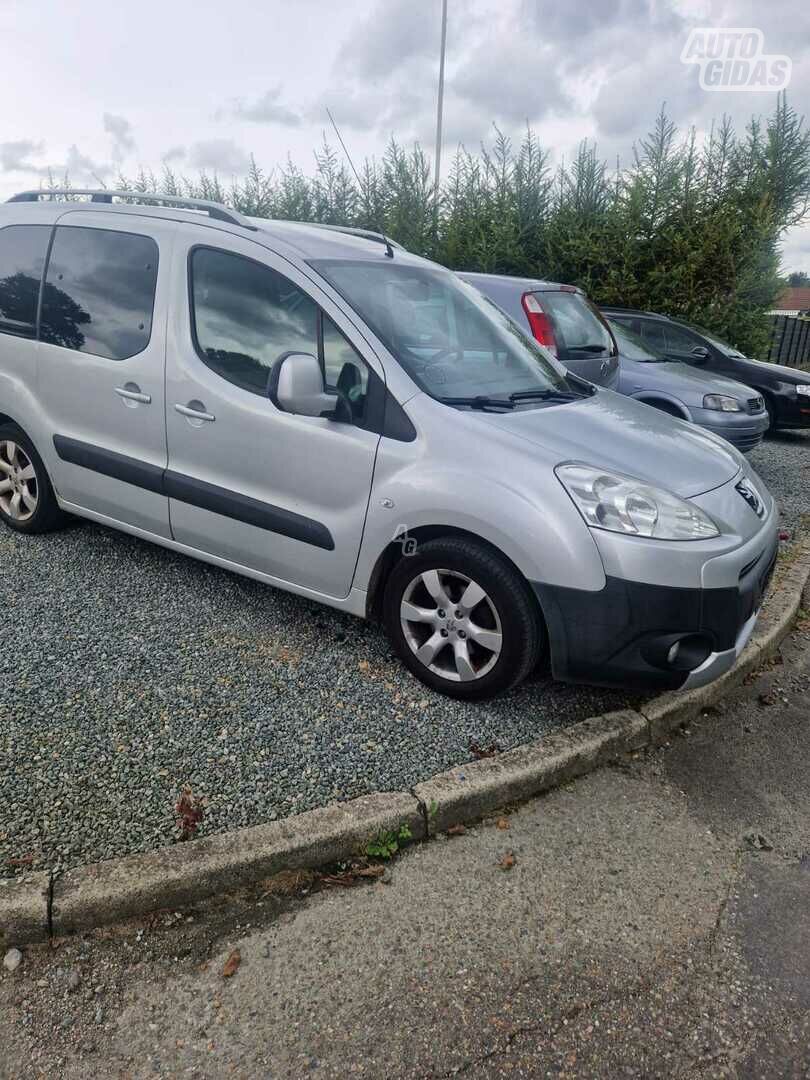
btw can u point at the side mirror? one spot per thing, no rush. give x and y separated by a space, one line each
700 352
296 386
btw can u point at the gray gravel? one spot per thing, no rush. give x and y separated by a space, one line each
783 462
131 672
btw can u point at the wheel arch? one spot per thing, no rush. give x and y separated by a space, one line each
393 553
665 404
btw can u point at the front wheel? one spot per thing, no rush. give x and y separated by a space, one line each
462 619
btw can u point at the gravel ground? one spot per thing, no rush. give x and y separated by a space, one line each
783 462
132 672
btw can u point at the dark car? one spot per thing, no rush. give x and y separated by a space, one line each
786 391
561 317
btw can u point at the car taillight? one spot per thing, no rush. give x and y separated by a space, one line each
540 323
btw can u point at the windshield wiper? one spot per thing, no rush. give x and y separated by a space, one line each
480 401
544 395
587 348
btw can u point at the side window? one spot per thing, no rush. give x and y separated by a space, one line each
655 333
344 369
245 315
99 292
22 259
680 341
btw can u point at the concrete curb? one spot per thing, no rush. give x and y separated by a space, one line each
178 876
471 791
39 906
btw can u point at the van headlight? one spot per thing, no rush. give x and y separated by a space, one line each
621 504
721 403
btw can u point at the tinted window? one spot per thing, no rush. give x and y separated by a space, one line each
680 340
22 260
633 347
577 326
655 334
246 315
99 292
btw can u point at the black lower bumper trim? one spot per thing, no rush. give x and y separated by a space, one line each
608 637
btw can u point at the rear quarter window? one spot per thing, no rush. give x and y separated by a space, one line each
99 291
22 259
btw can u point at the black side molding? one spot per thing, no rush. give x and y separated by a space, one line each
194 492
251 511
109 463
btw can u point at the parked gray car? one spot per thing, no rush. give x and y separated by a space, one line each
723 406
561 318
355 424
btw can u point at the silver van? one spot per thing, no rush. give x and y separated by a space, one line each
334 416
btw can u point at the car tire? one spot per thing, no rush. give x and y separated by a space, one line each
477 630
27 501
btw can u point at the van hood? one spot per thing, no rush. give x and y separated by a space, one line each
692 383
610 431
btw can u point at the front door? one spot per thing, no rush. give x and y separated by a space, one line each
281 494
101 365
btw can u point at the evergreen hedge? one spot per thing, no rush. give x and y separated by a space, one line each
688 228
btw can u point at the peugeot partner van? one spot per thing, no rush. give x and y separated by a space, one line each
334 416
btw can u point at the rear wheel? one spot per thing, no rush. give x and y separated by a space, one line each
462 619
27 501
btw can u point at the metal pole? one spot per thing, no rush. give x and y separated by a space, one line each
438 158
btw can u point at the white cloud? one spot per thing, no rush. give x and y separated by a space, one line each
15 156
218 155
267 109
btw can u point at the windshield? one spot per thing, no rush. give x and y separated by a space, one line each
450 340
634 347
723 346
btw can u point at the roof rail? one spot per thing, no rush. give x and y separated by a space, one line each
214 210
366 234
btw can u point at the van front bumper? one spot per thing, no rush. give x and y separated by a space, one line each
625 634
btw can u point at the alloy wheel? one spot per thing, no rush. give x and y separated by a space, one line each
451 625
19 493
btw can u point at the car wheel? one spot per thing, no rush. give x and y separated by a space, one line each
462 619
27 501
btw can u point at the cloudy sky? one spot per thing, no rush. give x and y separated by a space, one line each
93 87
